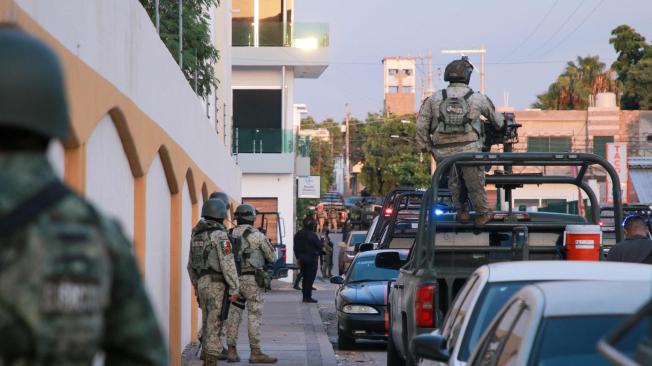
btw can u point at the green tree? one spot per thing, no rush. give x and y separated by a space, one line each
632 50
585 77
199 55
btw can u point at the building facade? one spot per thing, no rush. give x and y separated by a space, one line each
269 51
399 76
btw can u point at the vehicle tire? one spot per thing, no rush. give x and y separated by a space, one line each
393 358
344 342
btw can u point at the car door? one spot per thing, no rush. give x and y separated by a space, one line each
501 344
397 297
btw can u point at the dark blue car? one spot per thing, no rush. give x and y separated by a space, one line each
360 300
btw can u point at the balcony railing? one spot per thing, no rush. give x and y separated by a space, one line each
279 34
262 141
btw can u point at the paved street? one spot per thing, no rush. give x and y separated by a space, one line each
364 352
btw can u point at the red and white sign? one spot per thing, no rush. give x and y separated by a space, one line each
617 156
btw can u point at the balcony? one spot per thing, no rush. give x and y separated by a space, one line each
264 150
303 46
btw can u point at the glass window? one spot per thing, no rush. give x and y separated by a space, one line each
257 129
492 299
392 72
393 89
407 89
512 344
270 23
572 340
407 72
548 144
364 269
600 145
457 303
243 23
498 334
461 314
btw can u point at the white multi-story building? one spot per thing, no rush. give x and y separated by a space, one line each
269 50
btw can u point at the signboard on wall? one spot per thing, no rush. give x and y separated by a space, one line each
617 156
308 187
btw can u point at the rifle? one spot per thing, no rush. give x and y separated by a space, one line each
506 136
226 303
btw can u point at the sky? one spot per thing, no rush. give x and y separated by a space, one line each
528 44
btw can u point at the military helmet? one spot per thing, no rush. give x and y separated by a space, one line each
214 209
223 197
245 212
32 94
459 71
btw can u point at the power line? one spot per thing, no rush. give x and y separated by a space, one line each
576 28
532 33
559 29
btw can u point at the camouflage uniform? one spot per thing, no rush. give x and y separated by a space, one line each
253 294
69 285
441 145
210 283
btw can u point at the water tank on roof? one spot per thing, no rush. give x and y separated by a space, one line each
605 100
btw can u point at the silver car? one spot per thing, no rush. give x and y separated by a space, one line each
560 323
490 286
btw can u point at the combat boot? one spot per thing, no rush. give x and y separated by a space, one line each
223 355
232 354
481 219
463 215
210 360
257 356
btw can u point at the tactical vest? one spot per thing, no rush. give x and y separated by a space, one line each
203 255
55 283
249 256
454 113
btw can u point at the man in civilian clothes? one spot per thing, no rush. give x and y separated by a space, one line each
307 248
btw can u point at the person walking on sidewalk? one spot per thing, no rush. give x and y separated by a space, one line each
254 251
307 248
213 274
70 288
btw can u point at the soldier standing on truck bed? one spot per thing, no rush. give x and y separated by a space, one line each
449 123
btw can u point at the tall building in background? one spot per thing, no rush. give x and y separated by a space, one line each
399 85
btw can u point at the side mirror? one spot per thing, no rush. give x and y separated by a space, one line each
338 280
365 247
388 260
430 347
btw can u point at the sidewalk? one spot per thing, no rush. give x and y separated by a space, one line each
292 331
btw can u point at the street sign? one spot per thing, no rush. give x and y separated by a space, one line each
617 156
308 187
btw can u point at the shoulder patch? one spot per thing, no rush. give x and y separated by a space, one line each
226 247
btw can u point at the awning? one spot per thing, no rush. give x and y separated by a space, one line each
642 182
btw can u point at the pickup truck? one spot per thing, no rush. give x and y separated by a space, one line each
446 252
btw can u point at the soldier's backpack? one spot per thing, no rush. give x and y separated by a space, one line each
237 247
454 113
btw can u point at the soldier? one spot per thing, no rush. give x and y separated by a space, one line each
327 264
449 123
69 286
212 271
254 251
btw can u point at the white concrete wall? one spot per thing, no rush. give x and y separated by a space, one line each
157 244
280 186
109 181
546 191
186 286
118 40
56 155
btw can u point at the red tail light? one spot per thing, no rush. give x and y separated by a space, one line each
388 211
283 251
426 306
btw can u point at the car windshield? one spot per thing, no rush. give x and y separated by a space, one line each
351 200
572 340
491 300
364 269
356 239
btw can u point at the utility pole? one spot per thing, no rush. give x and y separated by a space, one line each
482 51
347 189
181 34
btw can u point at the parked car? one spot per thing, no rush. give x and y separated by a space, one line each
360 300
560 323
490 286
348 250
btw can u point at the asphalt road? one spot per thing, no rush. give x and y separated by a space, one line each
364 352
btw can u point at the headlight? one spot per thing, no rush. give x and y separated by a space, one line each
359 309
